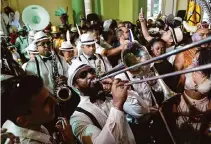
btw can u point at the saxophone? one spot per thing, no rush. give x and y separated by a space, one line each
61 91
99 71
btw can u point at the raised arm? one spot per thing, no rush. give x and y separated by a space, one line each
144 27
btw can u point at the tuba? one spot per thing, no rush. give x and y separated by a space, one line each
35 17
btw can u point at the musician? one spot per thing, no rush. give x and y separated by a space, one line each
98 119
183 60
112 52
44 63
67 51
21 44
190 113
97 61
26 106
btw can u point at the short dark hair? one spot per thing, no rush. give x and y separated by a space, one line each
155 40
17 93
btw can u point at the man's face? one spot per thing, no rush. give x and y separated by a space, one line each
68 54
83 78
89 49
125 33
42 107
158 48
44 48
201 34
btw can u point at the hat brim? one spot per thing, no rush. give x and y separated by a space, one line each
66 49
70 81
39 40
88 43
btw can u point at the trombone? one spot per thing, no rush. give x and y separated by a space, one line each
125 67
136 59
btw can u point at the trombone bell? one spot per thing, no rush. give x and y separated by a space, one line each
134 53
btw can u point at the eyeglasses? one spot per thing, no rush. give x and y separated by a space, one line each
46 43
84 74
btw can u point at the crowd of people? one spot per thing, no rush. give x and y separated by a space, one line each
36 63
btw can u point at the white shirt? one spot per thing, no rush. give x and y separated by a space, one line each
27 136
46 70
115 128
103 63
142 88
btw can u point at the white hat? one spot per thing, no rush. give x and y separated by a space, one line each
107 24
66 46
178 33
39 36
87 39
178 18
73 69
73 29
32 48
31 34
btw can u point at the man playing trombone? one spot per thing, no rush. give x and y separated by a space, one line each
99 119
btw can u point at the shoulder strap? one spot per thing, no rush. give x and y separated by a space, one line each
94 120
60 61
129 80
37 65
103 61
79 58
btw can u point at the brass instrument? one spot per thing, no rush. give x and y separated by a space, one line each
99 71
136 59
167 92
61 91
136 65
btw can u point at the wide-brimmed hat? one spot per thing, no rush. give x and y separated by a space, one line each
40 36
73 69
87 39
66 46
